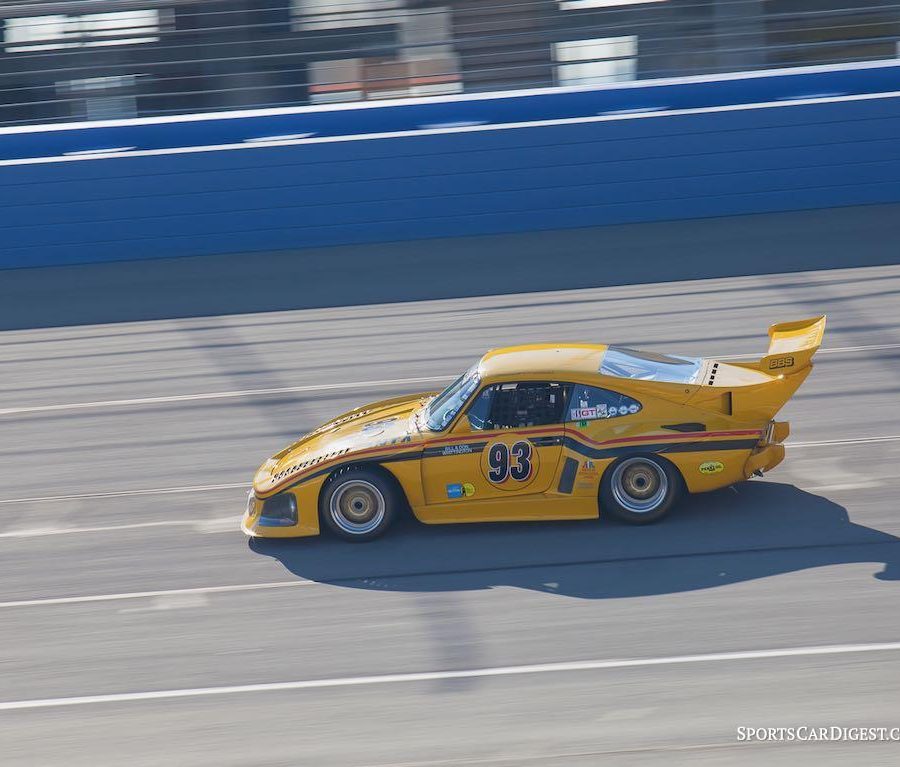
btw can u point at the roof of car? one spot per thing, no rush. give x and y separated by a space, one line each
542 358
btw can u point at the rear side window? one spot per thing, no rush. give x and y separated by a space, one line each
519 405
649 366
589 403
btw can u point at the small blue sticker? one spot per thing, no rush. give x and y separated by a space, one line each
455 491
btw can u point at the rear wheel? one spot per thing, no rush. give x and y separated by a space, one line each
640 489
359 504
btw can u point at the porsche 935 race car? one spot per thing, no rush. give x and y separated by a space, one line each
540 432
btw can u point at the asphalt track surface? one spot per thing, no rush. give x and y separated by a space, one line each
140 627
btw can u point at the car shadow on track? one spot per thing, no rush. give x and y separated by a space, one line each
754 530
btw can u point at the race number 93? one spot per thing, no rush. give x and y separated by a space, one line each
510 462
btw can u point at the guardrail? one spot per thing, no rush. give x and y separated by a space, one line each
444 167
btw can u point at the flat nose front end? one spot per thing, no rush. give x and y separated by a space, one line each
292 513
277 512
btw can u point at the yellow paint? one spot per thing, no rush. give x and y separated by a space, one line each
735 409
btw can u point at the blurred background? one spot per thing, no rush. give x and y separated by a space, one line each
224 223
101 59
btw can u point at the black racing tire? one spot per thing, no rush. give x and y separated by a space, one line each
359 504
640 489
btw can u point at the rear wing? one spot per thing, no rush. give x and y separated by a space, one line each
791 347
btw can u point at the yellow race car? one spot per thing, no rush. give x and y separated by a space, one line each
540 432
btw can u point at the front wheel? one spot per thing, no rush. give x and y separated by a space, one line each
358 504
640 489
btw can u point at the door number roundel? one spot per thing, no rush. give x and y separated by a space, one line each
509 466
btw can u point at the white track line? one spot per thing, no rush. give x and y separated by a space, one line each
246 485
832 350
332 387
221 395
162 593
430 676
848 441
39 532
223 524
126 493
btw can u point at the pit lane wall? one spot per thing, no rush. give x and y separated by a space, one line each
448 167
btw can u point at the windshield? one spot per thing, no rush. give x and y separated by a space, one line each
649 366
443 408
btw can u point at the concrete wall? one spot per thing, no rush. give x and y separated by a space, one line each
453 267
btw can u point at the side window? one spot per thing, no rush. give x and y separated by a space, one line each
518 405
588 403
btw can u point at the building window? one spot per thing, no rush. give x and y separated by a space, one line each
343 14
382 78
50 33
335 80
432 66
101 98
578 5
425 64
597 61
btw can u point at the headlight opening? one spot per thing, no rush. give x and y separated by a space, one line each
279 511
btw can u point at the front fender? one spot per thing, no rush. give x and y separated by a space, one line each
307 498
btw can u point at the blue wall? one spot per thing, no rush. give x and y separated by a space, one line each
496 108
637 169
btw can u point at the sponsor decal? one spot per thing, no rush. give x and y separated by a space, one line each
582 424
711 467
585 413
588 467
456 450
376 427
394 441
781 362
460 490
